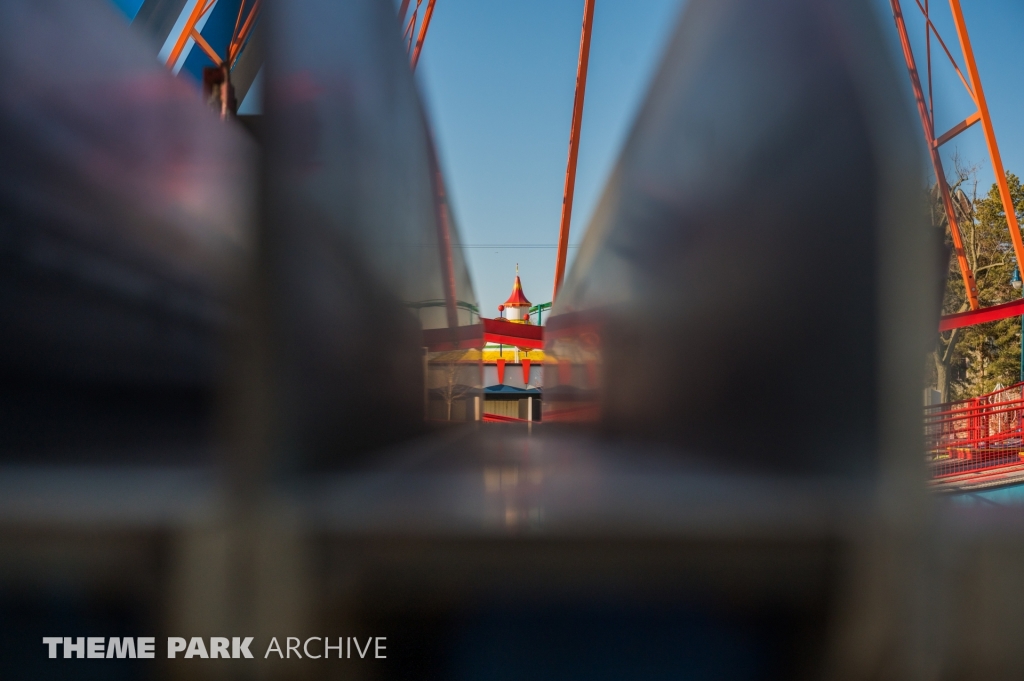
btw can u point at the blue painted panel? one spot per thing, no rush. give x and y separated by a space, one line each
1001 496
129 7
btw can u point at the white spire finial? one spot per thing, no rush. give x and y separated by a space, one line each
517 269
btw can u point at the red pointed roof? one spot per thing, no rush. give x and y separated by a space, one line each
517 299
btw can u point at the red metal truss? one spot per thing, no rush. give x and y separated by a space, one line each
243 28
985 314
574 146
409 29
242 31
198 12
982 433
423 33
926 110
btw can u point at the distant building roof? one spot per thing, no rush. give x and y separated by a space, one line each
503 389
517 299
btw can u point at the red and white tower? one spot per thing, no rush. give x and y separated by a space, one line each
517 307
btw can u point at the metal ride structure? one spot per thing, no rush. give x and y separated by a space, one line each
447 339
415 19
494 330
574 146
248 15
410 28
325 505
926 110
977 440
243 29
415 28
217 80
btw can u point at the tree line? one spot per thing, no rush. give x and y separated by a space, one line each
977 359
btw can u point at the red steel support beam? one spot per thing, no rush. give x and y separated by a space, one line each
510 333
574 146
1013 308
423 34
970 285
990 134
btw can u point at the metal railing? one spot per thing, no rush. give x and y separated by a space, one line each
975 434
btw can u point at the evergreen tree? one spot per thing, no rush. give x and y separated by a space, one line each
975 359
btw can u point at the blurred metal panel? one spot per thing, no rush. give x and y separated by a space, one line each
357 244
218 32
124 206
763 211
738 294
156 18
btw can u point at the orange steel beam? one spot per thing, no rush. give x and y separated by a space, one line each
201 8
970 285
402 9
990 134
957 129
423 34
238 21
574 146
238 38
205 46
930 30
410 28
242 34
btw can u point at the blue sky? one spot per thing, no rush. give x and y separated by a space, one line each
498 82
996 28
497 79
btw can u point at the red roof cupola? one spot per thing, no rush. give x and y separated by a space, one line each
516 308
517 299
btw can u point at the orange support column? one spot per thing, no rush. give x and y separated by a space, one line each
501 371
423 34
526 371
574 146
970 285
201 8
990 134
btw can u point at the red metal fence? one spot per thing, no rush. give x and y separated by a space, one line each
975 434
